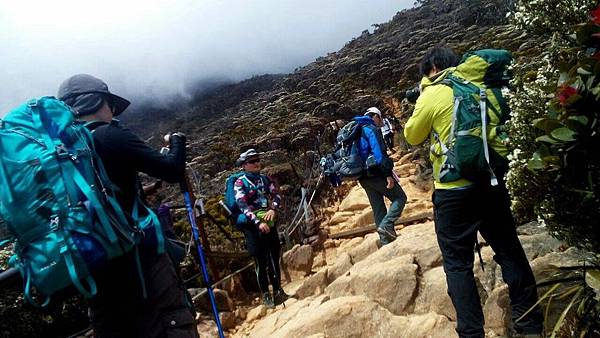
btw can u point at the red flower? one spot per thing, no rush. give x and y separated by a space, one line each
564 93
596 15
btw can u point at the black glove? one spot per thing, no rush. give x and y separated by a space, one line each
177 137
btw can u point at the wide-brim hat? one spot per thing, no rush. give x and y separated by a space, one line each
246 155
85 94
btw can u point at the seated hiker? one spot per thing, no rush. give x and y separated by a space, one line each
378 180
156 304
257 198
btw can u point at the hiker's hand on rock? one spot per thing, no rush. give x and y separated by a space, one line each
264 228
390 182
270 215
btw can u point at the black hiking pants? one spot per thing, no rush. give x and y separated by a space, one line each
120 310
265 248
459 214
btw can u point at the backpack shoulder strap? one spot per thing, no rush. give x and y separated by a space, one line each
91 126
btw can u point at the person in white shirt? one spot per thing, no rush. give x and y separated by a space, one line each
388 133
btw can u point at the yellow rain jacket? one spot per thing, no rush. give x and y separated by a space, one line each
433 111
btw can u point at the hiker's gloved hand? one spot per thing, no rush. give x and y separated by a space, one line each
170 137
270 215
390 182
264 228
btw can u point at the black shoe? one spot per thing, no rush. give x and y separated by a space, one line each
280 297
268 300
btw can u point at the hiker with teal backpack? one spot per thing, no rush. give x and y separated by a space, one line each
462 111
155 304
252 199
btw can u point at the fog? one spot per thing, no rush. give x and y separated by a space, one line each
158 48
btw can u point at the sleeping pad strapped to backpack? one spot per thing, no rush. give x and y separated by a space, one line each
476 147
58 202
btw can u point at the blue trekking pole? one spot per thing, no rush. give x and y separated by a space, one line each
185 188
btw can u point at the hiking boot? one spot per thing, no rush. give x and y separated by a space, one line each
280 296
268 300
386 235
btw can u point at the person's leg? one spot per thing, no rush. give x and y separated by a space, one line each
254 247
112 311
500 232
279 295
372 186
167 310
456 222
274 249
398 198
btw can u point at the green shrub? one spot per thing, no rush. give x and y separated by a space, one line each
555 166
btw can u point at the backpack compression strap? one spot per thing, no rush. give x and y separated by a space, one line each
486 151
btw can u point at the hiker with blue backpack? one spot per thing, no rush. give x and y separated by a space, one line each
377 176
153 302
462 112
252 200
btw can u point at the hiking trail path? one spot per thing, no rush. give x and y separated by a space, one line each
354 288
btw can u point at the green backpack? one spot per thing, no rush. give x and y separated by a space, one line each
58 203
476 148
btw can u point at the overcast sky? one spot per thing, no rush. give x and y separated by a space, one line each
159 47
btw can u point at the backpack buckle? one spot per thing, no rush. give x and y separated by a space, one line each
62 151
54 222
482 94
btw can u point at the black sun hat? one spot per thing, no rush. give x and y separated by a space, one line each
85 94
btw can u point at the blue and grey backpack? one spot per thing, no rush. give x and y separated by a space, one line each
58 203
345 162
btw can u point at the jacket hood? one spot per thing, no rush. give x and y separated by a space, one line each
364 120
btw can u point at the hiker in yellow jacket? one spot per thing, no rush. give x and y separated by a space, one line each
462 207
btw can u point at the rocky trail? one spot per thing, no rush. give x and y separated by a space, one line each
355 288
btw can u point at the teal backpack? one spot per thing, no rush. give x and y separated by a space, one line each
476 147
229 203
58 203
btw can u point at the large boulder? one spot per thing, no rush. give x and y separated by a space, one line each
341 317
497 310
392 284
433 295
342 264
313 285
298 260
429 325
418 240
355 200
365 248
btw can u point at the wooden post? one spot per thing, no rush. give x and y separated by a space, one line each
212 266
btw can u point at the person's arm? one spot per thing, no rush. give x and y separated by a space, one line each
419 125
375 139
136 153
242 201
273 191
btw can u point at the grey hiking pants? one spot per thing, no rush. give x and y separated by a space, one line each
376 190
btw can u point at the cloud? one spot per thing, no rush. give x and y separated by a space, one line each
158 48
